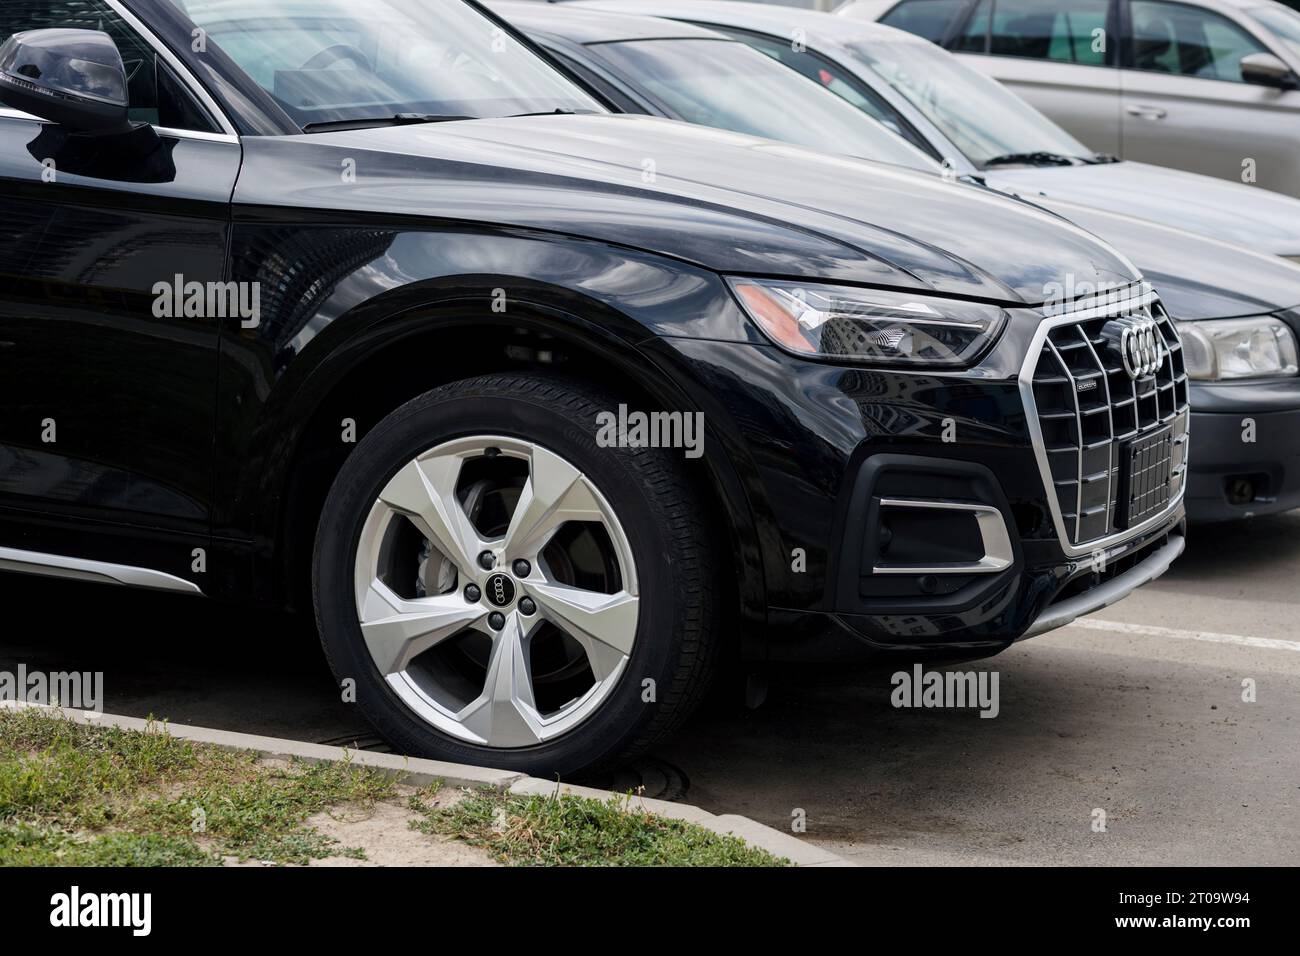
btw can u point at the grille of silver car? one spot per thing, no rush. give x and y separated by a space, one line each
1114 446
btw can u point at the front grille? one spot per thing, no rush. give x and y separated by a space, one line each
1113 446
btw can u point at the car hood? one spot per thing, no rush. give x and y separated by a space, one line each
1257 218
728 202
1197 277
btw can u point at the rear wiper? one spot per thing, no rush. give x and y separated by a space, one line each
1029 159
401 119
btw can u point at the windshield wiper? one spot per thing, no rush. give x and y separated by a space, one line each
400 119
1101 159
555 112
1039 158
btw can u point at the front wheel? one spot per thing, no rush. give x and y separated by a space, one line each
505 592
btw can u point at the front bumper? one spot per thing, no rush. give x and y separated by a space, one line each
803 434
1245 450
1106 593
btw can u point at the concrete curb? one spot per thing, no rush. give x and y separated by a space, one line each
421 772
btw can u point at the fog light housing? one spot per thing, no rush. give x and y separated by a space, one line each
926 537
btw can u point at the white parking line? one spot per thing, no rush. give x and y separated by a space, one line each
1151 630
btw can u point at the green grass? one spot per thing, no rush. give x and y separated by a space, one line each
564 830
77 795
25 844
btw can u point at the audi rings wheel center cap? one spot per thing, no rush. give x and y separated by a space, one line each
499 590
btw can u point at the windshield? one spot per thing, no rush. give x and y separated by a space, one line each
330 61
1282 21
727 85
981 117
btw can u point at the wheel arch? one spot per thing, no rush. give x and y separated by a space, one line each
437 341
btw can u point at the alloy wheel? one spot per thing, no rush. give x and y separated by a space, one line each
496 591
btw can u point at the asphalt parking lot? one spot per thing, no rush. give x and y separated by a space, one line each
1137 712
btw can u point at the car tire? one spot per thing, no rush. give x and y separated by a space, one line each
636 503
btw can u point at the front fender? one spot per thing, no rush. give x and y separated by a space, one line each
352 314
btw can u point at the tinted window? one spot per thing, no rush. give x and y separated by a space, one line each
156 96
1188 41
974 38
926 18
1067 32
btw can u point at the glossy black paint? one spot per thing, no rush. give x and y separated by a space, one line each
82 245
775 210
1197 278
383 285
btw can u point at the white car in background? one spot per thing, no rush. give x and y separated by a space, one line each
1209 86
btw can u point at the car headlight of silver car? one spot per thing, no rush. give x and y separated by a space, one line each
872 326
1232 349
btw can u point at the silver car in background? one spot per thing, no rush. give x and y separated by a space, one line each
978 128
1209 86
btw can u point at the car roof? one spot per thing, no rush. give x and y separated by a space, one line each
822 30
586 26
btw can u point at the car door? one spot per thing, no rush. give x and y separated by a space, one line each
1185 103
106 393
1060 55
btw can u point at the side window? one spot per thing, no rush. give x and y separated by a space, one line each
931 19
975 37
157 96
1188 41
1072 31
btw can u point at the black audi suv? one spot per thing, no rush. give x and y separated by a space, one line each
367 308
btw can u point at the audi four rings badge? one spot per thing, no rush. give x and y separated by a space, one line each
1139 343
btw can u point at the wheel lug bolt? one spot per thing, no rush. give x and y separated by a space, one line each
522 568
487 560
527 606
496 620
472 593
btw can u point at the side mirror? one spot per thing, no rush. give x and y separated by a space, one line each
1265 69
71 77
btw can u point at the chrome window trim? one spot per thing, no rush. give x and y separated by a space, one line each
82 569
7 113
1098 306
182 71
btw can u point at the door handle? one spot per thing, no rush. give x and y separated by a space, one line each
1146 112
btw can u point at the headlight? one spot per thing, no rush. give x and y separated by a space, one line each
870 325
1221 349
